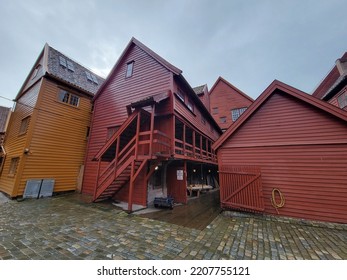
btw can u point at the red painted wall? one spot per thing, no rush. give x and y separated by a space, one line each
225 97
301 150
149 77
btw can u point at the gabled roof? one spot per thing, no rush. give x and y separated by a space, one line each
199 89
269 91
73 74
330 81
173 69
4 113
220 79
147 50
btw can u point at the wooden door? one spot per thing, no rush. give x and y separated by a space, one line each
177 182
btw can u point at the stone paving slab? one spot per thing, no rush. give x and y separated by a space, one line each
70 227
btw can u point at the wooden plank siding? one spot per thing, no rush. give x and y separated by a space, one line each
149 77
195 119
334 99
301 150
15 142
59 140
311 178
226 97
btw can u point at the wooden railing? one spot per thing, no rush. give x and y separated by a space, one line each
188 150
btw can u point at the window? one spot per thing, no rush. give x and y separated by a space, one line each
24 125
13 166
180 95
68 98
91 78
342 100
190 105
70 66
236 113
129 70
62 61
111 130
215 110
223 119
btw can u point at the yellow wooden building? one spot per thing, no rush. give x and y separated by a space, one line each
48 130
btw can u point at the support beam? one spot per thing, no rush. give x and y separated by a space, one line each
131 187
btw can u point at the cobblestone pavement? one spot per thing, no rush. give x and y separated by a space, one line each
68 227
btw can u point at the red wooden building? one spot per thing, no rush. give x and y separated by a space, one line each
287 155
333 88
227 103
150 133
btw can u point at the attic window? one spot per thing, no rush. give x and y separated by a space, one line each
62 61
70 66
13 166
129 71
236 113
91 77
223 119
215 110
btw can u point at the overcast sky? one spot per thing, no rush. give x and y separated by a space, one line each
248 42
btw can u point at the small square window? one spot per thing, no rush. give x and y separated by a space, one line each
111 130
129 70
13 166
223 120
24 125
215 110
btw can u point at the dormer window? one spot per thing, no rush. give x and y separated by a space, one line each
91 78
129 70
62 61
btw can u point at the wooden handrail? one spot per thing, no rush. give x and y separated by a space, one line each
117 134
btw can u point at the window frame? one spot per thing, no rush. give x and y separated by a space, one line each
129 70
71 98
238 112
223 119
24 125
215 111
13 166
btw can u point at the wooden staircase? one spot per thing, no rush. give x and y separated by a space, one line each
129 156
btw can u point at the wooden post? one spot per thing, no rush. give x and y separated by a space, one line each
194 144
131 187
152 129
116 155
201 146
184 139
97 178
137 133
